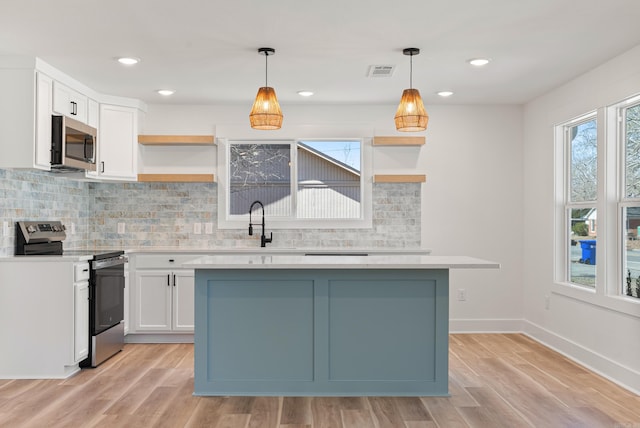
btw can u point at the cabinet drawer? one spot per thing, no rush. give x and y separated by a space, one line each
80 272
163 261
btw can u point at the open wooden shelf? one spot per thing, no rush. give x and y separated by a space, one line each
397 178
176 140
176 178
399 141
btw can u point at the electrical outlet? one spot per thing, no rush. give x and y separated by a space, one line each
73 228
197 228
121 228
462 294
5 228
547 302
208 228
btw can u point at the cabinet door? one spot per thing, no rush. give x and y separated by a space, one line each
44 107
153 301
81 321
127 299
70 103
183 300
117 146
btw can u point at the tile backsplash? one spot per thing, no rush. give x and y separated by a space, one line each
163 215
34 195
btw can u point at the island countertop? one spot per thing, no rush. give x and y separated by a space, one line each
338 261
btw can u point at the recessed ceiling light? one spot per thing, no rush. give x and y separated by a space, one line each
445 93
478 62
128 60
305 93
165 92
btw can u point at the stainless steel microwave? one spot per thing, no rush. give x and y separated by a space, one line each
73 145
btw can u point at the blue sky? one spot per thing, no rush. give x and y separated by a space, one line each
347 152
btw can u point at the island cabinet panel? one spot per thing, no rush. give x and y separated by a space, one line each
338 332
275 322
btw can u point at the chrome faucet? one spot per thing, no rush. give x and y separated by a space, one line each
263 239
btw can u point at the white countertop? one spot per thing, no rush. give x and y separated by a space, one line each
390 261
76 255
276 250
31 259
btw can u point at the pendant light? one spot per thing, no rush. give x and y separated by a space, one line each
266 113
411 115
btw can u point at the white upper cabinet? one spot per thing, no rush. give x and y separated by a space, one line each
25 134
44 103
70 103
32 91
118 142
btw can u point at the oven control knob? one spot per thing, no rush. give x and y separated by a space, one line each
32 229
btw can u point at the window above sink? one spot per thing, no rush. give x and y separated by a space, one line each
303 183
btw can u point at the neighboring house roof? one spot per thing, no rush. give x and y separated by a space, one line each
330 159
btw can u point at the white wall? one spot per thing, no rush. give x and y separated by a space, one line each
596 333
471 202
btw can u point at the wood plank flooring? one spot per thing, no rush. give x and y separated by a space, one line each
495 380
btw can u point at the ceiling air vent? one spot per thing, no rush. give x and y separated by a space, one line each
381 70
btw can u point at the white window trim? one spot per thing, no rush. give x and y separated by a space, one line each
562 163
609 275
225 221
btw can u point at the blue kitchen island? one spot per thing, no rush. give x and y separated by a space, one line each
296 325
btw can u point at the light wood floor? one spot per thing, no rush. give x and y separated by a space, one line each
495 380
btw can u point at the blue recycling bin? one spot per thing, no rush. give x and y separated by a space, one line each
588 247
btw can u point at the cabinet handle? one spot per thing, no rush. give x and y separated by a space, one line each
171 260
74 108
85 270
102 166
168 280
174 279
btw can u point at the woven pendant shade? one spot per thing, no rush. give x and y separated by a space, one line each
265 113
411 115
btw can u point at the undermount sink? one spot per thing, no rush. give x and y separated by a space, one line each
336 254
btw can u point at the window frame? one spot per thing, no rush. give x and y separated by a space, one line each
610 276
618 113
564 205
228 221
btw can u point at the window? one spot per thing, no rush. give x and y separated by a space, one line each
260 172
301 183
630 202
597 215
581 196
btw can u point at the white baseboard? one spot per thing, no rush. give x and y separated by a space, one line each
158 338
624 376
485 326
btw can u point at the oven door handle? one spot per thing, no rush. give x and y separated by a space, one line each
115 261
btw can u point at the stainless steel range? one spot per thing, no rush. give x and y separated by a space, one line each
106 285
37 238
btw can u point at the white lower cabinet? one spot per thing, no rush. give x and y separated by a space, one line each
81 318
164 300
44 317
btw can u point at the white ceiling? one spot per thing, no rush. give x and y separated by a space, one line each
206 50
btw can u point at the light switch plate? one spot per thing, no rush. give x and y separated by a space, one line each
73 228
121 228
5 228
208 228
197 228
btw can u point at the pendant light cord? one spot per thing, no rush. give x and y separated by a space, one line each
266 69
411 71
